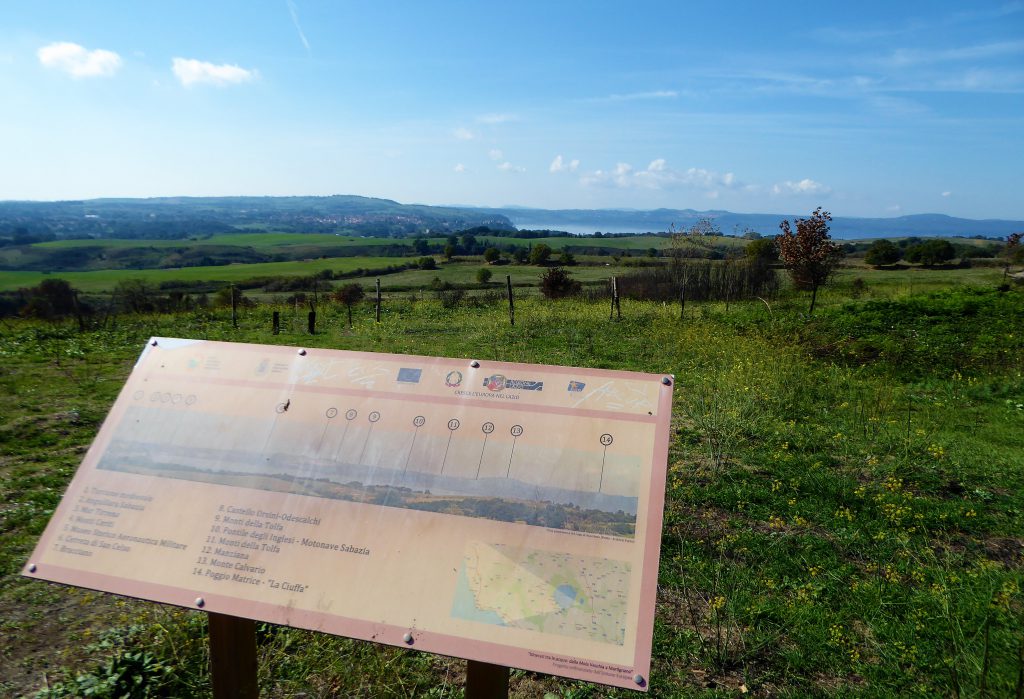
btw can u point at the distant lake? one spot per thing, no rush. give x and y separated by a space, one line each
577 227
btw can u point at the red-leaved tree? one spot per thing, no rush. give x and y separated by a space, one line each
809 254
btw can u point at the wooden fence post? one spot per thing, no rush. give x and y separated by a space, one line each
611 307
277 322
312 322
234 308
511 303
619 309
378 299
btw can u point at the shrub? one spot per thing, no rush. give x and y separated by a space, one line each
540 254
882 252
930 252
702 280
557 283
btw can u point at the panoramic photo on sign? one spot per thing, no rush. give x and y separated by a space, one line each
506 513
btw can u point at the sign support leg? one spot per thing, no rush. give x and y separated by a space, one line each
233 657
486 681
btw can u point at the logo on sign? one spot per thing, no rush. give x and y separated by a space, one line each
576 386
406 375
453 379
499 382
495 382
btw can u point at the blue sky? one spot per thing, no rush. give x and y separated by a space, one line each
868 109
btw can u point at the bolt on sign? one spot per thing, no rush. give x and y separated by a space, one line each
504 513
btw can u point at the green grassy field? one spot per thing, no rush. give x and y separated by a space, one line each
105 280
844 508
260 241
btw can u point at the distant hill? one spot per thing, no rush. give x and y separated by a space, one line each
184 217
626 220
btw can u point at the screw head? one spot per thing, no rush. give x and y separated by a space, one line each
639 679
302 353
407 638
666 380
475 364
153 342
31 567
200 602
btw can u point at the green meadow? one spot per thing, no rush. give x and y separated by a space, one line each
105 280
844 509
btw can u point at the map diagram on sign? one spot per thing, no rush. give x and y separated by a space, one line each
544 591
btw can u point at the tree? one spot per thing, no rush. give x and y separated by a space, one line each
930 252
882 252
136 295
1013 252
491 255
520 254
761 250
449 252
53 299
809 253
483 275
421 246
557 283
426 263
469 243
567 259
223 297
540 254
349 294
683 244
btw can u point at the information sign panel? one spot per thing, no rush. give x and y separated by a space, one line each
505 513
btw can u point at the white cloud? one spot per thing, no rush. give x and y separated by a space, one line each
633 96
509 167
998 49
559 165
804 186
298 27
459 167
658 175
495 154
463 134
79 62
190 72
496 118
946 195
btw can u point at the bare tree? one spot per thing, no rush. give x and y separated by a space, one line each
349 295
686 244
1013 252
809 254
